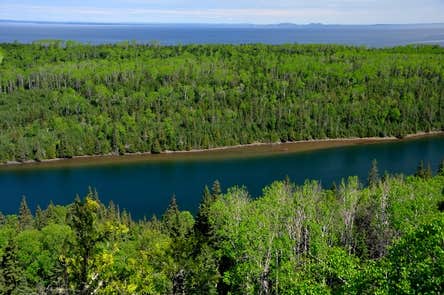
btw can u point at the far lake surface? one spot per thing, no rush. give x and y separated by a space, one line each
144 188
170 34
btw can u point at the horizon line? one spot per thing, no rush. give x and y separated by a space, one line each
213 24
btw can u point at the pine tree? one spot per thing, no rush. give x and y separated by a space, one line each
83 219
156 149
373 174
420 171
10 272
216 189
25 215
126 218
40 218
111 213
428 171
50 213
202 225
170 218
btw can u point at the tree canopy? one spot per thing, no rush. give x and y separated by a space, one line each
64 99
386 238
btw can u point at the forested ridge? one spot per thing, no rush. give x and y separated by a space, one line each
384 238
62 99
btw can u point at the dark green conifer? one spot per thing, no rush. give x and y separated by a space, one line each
25 215
83 219
111 213
50 214
170 218
373 174
202 225
40 219
155 148
216 189
428 171
420 170
10 272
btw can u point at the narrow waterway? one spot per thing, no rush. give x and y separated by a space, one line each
145 187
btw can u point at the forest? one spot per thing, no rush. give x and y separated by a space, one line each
385 237
65 99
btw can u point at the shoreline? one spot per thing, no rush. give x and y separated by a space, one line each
224 152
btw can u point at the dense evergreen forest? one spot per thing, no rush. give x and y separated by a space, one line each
384 238
62 99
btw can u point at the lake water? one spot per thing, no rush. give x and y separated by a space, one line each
372 36
145 188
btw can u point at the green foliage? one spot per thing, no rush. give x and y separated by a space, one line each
25 215
202 225
66 99
386 238
416 261
422 171
373 174
10 272
441 168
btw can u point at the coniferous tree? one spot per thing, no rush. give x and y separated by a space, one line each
83 218
373 175
25 215
156 149
111 211
420 170
50 214
126 218
202 225
72 126
216 189
10 271
171 218
40 220
428 171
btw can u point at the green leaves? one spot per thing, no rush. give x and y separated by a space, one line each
384 239
417 260
65 101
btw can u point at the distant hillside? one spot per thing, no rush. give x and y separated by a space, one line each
64 99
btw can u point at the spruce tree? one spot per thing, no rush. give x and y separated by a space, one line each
50 213
83 220
170 218
420 171
428 171
155 148
10 272
25 215
111 211
373 174
202 225
216 189
40 218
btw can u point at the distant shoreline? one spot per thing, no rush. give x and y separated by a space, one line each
236 151
246 24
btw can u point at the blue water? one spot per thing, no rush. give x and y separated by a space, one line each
372 36
145 188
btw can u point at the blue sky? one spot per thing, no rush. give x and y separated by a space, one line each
227 11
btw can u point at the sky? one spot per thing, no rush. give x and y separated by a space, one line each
227 11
